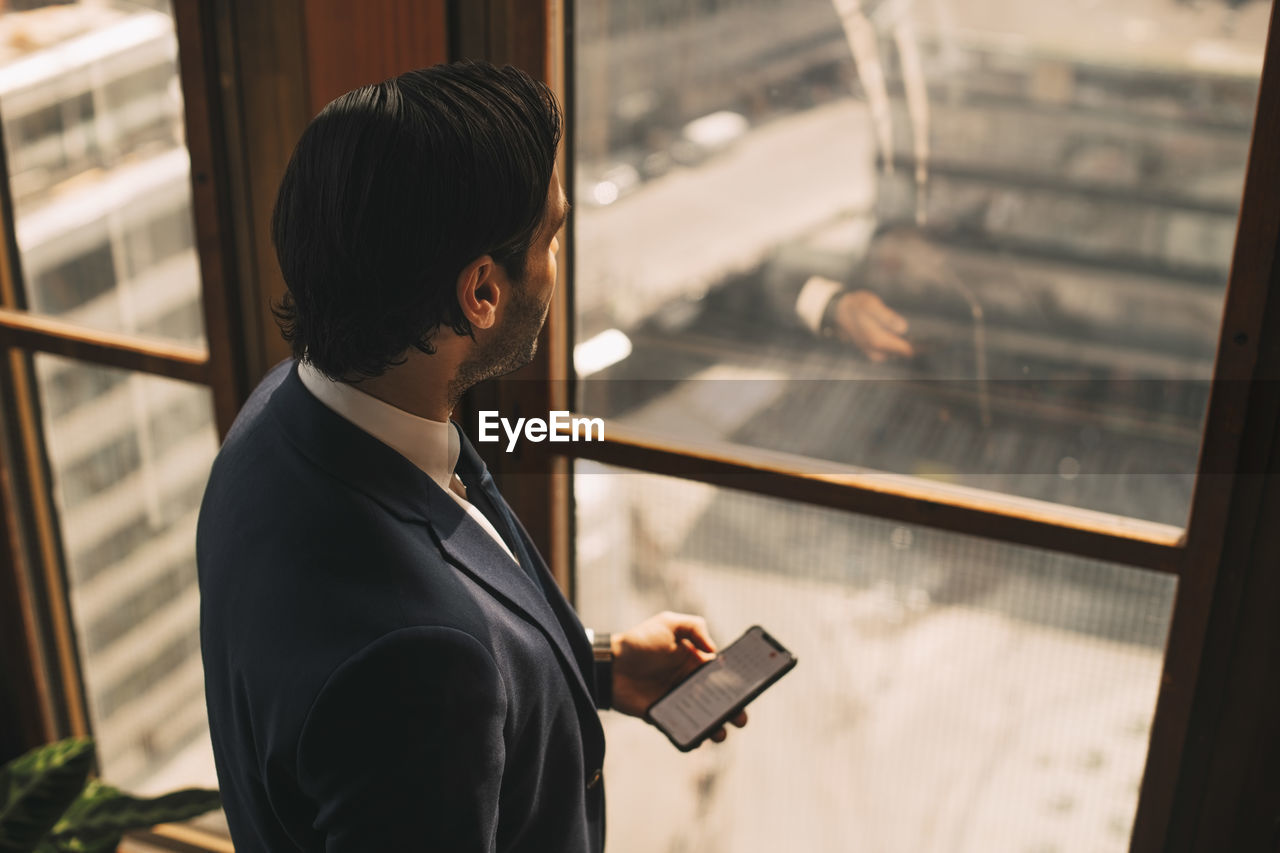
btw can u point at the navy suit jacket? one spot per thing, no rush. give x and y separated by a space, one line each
379 675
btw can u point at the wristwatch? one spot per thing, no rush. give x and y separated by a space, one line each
828 325
602 656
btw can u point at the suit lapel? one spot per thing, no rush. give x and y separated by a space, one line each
565 614
359 459
552 613
473 551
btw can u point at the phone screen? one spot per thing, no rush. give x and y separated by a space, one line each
719 687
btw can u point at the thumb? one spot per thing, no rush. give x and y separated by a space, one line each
694 630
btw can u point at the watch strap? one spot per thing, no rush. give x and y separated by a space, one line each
602 661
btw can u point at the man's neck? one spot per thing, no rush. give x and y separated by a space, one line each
419 386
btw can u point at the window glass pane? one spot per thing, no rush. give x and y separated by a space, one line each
993 235
952 694
92 113
129 455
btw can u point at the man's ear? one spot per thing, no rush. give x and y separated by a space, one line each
481 285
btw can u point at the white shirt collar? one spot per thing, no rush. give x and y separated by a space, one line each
433 446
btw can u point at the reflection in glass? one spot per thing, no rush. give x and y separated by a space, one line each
129 456
92 111
952 694
992 236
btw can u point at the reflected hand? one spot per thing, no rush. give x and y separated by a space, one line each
651 657
862 319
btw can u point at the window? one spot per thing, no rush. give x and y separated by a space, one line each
109 392
1054 522
904 318
951 691
1047 213
133 337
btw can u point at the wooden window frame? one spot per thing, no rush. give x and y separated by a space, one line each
252 75
40 660
1219 558
239 136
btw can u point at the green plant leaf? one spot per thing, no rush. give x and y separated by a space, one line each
83 842
108 843
36 788
94 792
119 812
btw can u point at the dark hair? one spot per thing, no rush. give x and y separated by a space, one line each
391 191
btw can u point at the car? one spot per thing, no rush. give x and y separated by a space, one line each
708 135
601 188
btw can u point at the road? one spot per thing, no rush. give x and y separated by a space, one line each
685 231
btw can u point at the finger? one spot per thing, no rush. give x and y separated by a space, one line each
694 629
681 665
740 720
719 735
697 656
886 343
686 627
887 317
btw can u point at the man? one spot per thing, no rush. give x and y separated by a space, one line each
388 663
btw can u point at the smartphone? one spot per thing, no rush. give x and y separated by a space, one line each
715 692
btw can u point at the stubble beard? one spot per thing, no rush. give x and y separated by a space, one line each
508 349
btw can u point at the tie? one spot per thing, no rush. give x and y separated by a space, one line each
500 518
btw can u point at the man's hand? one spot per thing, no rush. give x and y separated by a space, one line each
650 658
862 319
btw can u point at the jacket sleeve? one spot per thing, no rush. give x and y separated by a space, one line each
403 746
792 296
